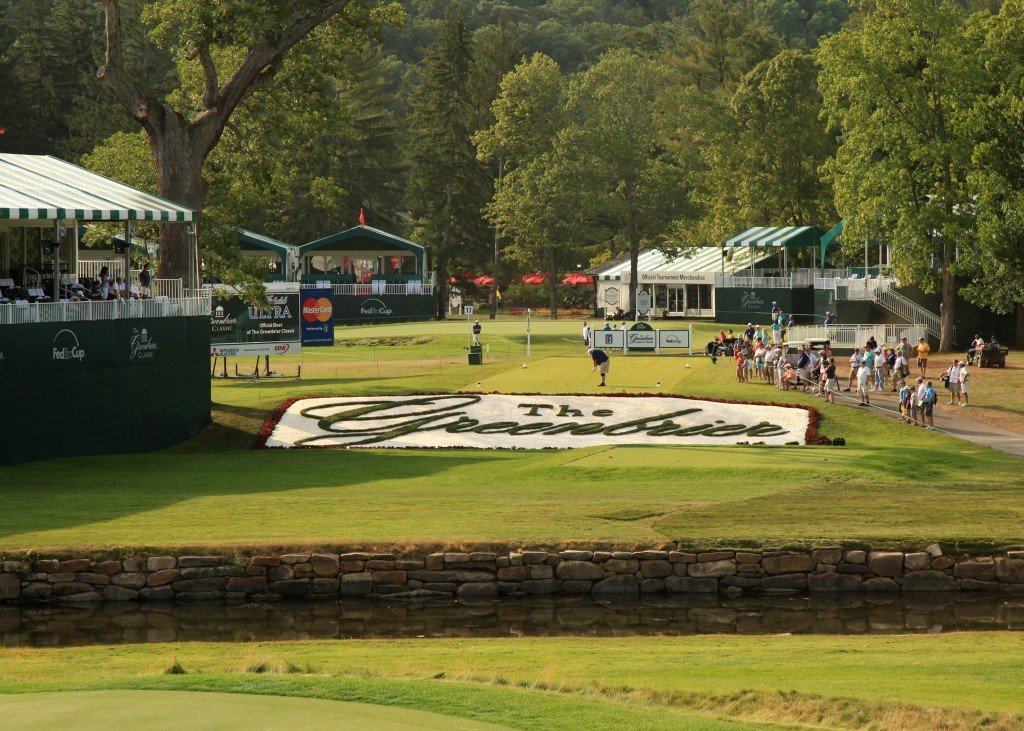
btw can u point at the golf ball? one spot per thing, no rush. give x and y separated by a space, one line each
687 365
524 365
478 384
658 384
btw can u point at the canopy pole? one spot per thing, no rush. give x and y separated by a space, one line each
56 261
753 262
128 257
865 259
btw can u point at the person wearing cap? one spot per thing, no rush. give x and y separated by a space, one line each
476 332
922 401
586 334
863 376
922 356
749 332
964 375
775 310
601 361
854 367
789 377
904 397
953 378
829 318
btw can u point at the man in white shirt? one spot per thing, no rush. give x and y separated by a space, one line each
862 386
963 382
586 334
854 367
954 383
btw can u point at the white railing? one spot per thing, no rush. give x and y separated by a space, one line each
20 313
909 310
91 268
172 288
854 288
855 336
371 288
731 281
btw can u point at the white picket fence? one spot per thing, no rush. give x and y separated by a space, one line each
21 313
855 336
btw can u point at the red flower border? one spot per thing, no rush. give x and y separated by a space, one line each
811 436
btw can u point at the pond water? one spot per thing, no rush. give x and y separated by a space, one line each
50 626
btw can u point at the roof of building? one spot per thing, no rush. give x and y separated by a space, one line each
41 187
702 259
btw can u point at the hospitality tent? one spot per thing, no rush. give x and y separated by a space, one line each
251 243
777 237
363 244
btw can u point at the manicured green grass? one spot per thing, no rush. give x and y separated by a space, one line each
907 682
892 485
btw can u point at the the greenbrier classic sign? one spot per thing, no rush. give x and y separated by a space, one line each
492 421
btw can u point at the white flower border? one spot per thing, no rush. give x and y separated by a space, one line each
443 421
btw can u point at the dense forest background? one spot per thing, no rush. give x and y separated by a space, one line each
516 136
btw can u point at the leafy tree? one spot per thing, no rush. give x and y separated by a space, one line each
897 86
448 187
238 46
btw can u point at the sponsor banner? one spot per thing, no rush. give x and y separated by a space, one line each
641 337
670 339
609 338
317 317
232 350
383 308
493 421
235 322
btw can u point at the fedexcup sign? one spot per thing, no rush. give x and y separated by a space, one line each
530 422
374 307
67 347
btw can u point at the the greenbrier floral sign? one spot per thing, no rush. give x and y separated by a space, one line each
492 421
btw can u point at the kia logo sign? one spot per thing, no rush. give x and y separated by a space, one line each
317 310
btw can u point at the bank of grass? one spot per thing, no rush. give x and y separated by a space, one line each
960 681
892 485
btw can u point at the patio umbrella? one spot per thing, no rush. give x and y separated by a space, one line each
577 278
536 278
484 281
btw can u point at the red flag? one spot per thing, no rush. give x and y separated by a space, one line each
362 218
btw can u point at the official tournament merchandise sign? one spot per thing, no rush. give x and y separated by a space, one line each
317 317
493 421
238 328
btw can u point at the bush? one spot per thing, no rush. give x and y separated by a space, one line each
539 296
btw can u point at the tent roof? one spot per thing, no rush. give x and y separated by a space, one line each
252 241
363 239
775 236
41 187
703 259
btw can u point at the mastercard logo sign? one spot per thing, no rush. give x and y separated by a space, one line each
317 310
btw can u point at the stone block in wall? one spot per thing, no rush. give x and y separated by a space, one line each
119 594
433 562
575 587
60 578
827 555
265 561
618 585
357 556
1010 570
621 566
825 568
357 584
161 577
350 567
834 583
478 589
652 586
280 573
108 568
982 569
389 589
192 562
455 558
749 569
929 581
785 581
48 566
512 573
380 564
382 557
714 556
943 562
515 558
576 555
36 591
247 584
133 564
160 563
711 569
885 563
502 562
542 571
581 570
256 570
67 588
682 557
291 559
656 569
539 586
852 568
157 593
440 587
304 570
325 564
291 588
483 556
880 585
975 585
622 555
390 577
85 597
745 557
855 557
651 555
323 585
10 587
445 575
686 585
75 565
917 561
602 556
214 584
743 582
89 577
211 572
1015 554
409 564
788 564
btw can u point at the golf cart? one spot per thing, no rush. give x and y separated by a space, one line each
793 349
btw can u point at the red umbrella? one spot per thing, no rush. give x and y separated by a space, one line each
536 278
577 278
484 281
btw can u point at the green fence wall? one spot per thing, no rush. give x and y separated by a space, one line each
382 308
736 305
114 386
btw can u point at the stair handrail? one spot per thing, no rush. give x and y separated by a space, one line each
909 310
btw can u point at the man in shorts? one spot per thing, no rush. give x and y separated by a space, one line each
601 361
863 375
922 356
963 382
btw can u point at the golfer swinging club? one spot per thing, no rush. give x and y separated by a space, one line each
601 360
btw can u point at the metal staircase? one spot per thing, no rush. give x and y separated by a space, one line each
896 303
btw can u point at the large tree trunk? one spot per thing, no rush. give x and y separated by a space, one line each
1019 340
948 307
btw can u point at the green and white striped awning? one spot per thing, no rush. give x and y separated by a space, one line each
41 187
776 236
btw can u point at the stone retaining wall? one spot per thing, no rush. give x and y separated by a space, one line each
216 579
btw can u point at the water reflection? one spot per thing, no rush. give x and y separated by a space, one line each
45 626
